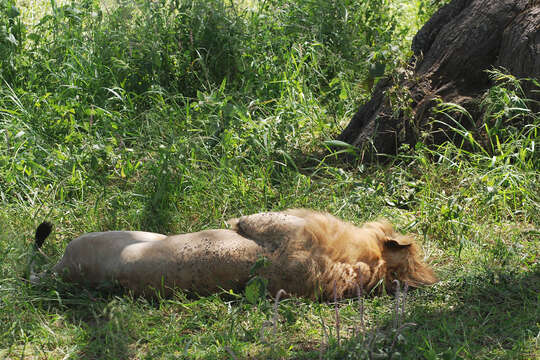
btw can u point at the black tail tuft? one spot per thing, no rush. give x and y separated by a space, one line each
42 231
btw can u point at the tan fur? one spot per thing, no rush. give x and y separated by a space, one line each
310 254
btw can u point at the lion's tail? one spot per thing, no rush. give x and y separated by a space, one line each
42 232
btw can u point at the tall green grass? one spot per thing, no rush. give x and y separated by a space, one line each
173 116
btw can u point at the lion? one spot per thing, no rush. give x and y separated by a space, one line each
310 254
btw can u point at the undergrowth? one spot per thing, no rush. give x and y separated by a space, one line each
174 116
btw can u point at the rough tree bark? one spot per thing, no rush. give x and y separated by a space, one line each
451 53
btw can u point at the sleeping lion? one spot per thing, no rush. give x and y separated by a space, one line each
311 254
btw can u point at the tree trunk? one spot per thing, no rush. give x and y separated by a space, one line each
451 53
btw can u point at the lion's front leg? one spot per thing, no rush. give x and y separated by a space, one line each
345 280
269 229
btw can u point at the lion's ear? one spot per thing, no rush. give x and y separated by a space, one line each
398 242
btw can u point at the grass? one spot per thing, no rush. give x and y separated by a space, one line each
174 116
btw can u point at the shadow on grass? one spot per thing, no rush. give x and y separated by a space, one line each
486 316
109 322
494 314
106 336
90 323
